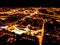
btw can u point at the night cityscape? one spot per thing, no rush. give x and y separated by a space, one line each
29 22
30 26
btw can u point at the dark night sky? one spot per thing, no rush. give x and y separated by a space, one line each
21 3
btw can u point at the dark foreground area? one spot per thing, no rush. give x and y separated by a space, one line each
13 39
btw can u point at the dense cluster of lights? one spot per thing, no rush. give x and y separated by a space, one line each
26 30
